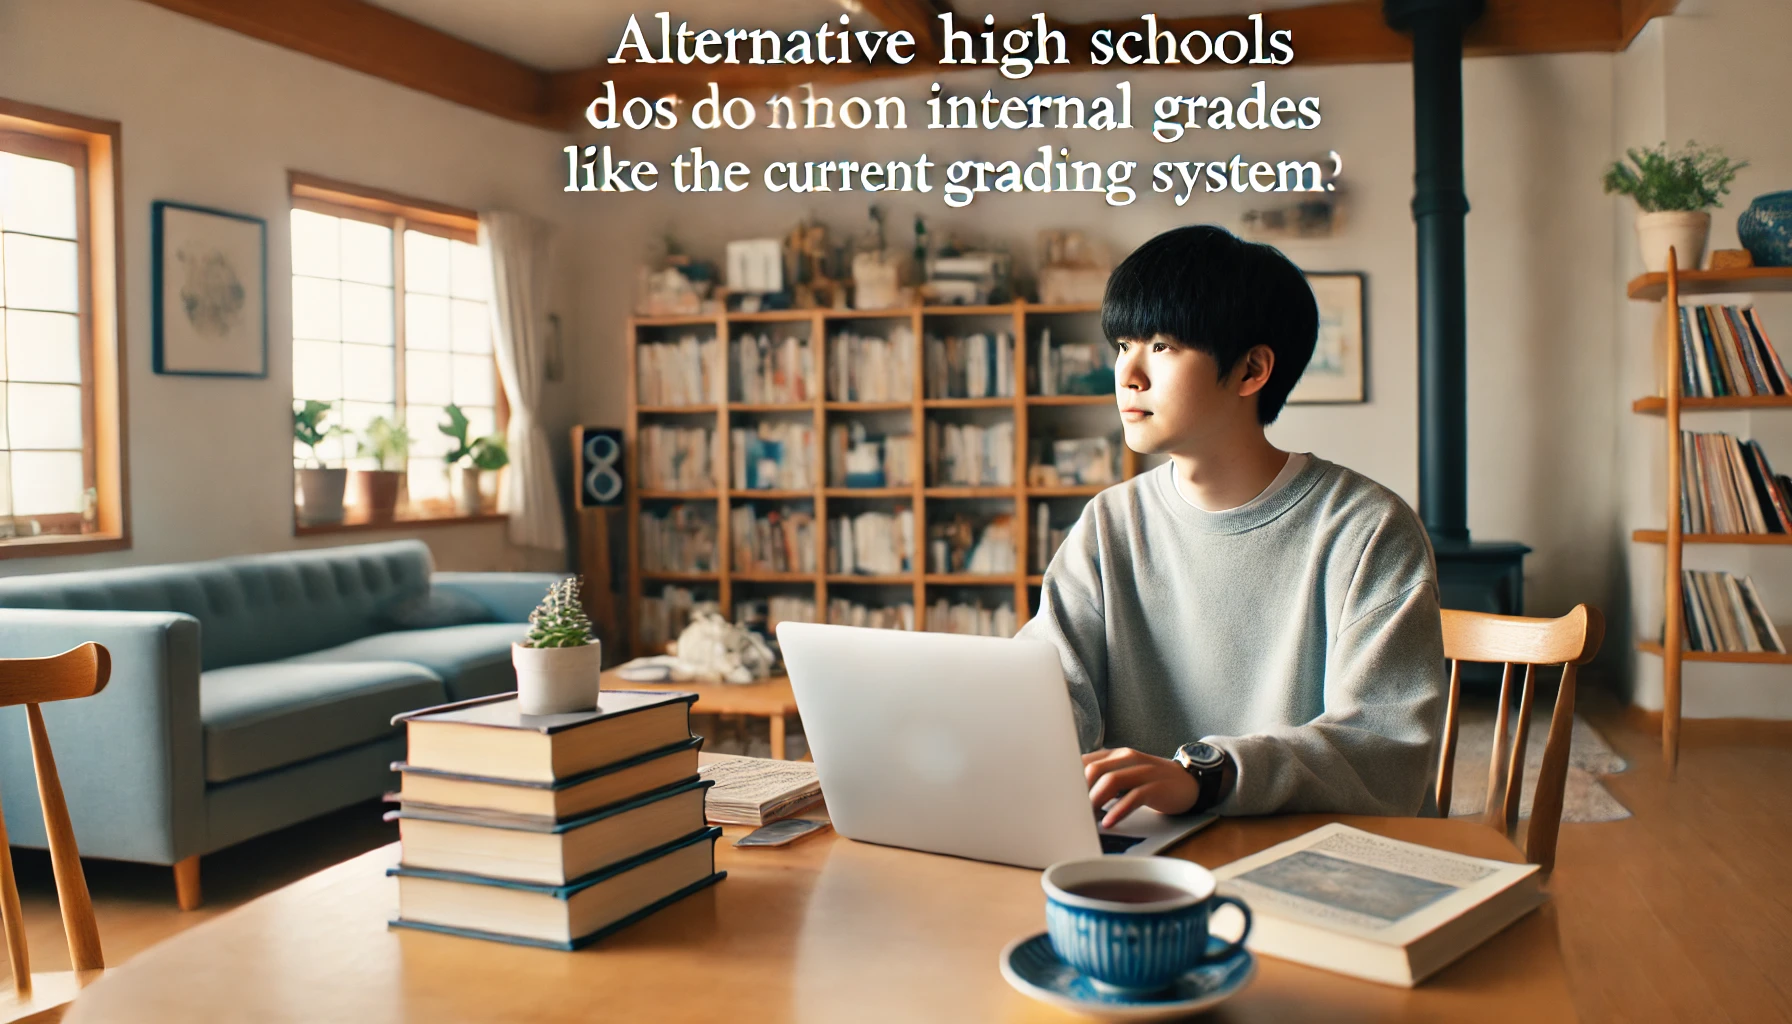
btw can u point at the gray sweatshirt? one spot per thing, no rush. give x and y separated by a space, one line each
1300 633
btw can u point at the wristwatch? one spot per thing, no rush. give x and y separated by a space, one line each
1207 763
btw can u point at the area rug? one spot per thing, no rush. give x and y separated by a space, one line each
1589 756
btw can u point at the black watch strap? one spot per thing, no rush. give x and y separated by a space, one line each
1207 763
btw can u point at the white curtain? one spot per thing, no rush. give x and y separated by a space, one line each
517 248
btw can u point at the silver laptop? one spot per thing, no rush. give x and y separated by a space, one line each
954 744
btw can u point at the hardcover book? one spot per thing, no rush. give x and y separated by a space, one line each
553 801
491 737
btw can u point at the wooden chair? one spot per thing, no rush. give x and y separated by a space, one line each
81 672
1570 641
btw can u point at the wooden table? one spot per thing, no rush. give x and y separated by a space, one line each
770 699
823 931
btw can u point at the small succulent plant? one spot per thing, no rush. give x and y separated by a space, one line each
559 620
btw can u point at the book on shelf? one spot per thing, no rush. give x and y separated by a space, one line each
762 614
872 543
661 617
859 458
958 545
1072 461
867 368
1724 613
773 455
772 540
683 372
969 455
679 538
553 801
768 369
672 458
978 366
1047 537
1345 900
944 616
1725 351
1080 368
1728 486
842 612
490 737
557 916
756 790
524 848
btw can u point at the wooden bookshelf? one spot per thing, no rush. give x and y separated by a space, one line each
1668 288
726 583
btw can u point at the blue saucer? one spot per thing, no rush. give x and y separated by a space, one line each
1032 967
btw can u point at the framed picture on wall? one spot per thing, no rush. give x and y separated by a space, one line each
209 287
1337 372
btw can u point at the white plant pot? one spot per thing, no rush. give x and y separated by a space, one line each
557 680
320 495
468 499
1686 232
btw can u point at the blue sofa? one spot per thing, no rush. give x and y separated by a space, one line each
247 694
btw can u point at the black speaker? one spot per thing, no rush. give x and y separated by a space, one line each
598 456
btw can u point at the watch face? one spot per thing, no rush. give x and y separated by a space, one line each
1202 755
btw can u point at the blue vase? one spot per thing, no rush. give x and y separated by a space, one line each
1765 229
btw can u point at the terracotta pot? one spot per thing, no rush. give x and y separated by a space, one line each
320 495
1686 232
376 493
468 500
557 680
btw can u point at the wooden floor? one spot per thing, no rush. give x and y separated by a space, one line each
1680 913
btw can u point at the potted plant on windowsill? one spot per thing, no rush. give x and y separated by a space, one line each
1674 192
468 461
558 665
376 490
320 487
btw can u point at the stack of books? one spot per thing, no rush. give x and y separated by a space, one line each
863 368
683 372
1073 369
957 545
775 540
975 619
980 366
677 458
1724 351
550 830
774 456
772 370
857 458
679 538
968 455
842 612
872 543
1727 486
1724 613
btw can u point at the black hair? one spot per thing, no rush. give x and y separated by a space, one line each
1208 289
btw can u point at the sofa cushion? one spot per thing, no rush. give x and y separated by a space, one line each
437 608
258 717
472 661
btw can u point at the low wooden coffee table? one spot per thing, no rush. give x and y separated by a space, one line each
768 698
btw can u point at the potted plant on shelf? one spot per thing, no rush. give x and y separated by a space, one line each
558 665
468 461
376 490
1674 192
320 487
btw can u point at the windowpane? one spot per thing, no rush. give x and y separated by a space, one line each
425 322
480 422
472 327
316 309
367 373
473 380
356 416
366 314
366 252
46 483
428 479
5 483
37 196
317 370
42 347
425 263
42 273
428 378
44 416
316 244
5 435
470 273
426 435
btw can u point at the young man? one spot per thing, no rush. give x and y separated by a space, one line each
1243 629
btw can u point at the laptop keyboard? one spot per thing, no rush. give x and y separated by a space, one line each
1113 842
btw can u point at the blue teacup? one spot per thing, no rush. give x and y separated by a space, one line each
1134 924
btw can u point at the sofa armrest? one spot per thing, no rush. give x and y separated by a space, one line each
130 758
509 596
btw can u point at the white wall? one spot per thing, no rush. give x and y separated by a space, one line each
215 118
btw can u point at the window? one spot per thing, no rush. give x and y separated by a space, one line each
60 454
390 319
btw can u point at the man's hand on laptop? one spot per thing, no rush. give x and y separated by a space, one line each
1136 779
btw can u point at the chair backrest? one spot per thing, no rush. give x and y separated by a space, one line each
1570 641
81 672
